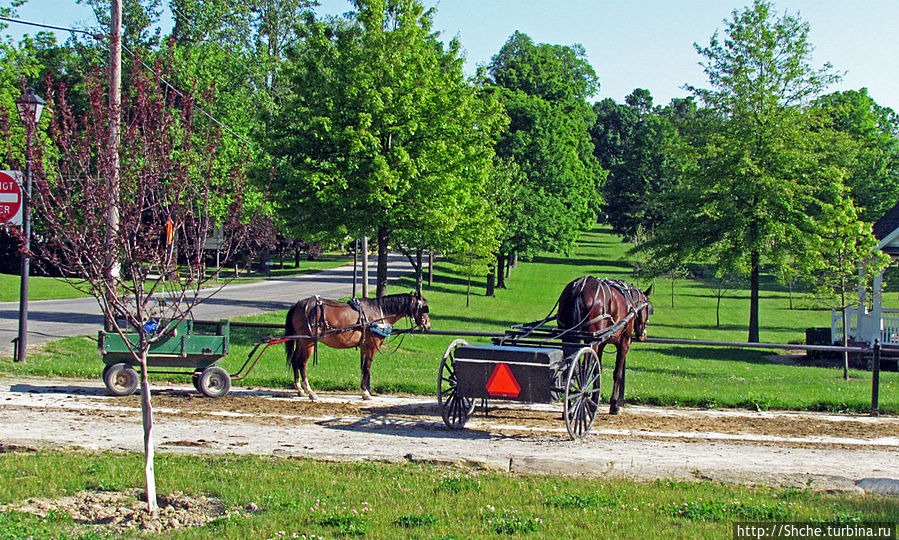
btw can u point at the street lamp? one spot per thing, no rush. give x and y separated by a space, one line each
30 106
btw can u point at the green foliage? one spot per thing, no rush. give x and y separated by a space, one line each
645 154
764 185
871 153
382 131
543 88
733 511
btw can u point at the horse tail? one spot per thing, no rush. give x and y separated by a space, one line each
573 309
290 331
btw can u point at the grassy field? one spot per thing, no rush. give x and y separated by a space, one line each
47 288
657 374
327 500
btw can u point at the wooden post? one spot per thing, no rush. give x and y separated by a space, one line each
875 380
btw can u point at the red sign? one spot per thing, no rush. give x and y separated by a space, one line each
502 383
10 197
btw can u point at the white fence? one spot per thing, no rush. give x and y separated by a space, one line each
864 327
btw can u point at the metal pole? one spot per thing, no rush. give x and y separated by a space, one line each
875 379
355 264
364 267
26 261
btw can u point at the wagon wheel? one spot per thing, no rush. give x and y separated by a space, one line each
195 378
455 408
120 379
214 382
582 392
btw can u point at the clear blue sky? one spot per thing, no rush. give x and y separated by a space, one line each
637 43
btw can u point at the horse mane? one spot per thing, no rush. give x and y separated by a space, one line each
390 304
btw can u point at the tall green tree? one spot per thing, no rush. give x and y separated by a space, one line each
544 89
764 186
873 163
640 146
383 135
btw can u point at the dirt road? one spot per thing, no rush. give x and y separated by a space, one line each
774 448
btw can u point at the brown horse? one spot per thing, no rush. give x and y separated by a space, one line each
343 325
588 304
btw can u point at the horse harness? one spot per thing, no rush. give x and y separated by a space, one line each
606 285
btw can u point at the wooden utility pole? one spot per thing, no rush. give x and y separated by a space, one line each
115 113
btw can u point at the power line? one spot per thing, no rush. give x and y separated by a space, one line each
134 56
39 25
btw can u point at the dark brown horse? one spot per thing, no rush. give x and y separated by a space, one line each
342 325
588 304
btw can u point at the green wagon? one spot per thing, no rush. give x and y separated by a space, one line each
186 350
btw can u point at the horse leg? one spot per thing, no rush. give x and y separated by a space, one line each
296 360
366 358
616 401
305 352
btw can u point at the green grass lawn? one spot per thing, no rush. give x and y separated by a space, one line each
47 288
337 500
657 374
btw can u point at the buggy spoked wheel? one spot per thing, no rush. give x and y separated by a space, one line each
582 392
214 382
454 408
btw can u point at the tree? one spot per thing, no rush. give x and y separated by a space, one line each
763 185
873 163
382 136
641 148
847 245
544 88
166 181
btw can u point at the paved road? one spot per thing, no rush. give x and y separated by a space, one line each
54 319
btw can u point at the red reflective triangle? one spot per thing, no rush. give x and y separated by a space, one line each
502 383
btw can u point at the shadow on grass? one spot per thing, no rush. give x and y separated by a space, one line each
598 263
752 356
725 327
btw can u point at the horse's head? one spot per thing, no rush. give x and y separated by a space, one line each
642 316
418 310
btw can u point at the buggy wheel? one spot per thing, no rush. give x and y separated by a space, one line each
214 382
454 408
195 378
120 379
582 392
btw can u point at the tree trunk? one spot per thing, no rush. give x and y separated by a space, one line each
147 419
672 290
754 263
430 268
468 291
500 271
419 269
718 310
491 282
383 239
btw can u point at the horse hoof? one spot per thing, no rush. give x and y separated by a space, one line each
312 397
366 396
613 410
